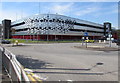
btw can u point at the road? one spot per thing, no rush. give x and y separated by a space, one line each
64 62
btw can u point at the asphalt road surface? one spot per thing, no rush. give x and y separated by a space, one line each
64 62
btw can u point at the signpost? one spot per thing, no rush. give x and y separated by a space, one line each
83 40
107 26
110 39
86 34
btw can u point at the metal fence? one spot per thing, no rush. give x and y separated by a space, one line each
13 67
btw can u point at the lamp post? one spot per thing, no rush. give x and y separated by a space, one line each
31 31
86 36
48 28
38 34
38 29
23 33
55 36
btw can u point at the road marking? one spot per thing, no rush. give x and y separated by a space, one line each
70 80
31 78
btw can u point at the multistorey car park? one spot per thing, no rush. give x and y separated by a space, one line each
54 27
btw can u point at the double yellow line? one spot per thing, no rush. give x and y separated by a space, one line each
33 79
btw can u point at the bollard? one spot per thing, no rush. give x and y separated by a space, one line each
86 44
16 42
104 41
99 41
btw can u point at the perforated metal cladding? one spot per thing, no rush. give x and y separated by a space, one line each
55 24
48 25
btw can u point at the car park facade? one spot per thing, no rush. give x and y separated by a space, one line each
55 27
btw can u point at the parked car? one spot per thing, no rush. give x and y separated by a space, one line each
114 41
5 42
118 42
89 41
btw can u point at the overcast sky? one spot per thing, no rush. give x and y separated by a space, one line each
98 12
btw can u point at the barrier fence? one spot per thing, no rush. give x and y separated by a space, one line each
13 67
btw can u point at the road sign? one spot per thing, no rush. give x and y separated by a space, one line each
85 34
83 37
110 39
86 37
110 35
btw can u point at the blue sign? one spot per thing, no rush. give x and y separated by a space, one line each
85 34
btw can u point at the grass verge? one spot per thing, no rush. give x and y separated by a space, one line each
35 41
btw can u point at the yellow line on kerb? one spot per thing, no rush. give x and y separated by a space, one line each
34 79
31 77
37 79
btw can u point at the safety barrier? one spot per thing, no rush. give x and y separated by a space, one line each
13 67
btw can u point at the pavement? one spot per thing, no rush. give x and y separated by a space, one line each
99 47
65 62
5 77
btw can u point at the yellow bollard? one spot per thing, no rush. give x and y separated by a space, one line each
16 42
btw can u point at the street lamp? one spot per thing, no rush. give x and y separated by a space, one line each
47 28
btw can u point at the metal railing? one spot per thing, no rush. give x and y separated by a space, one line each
13 67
